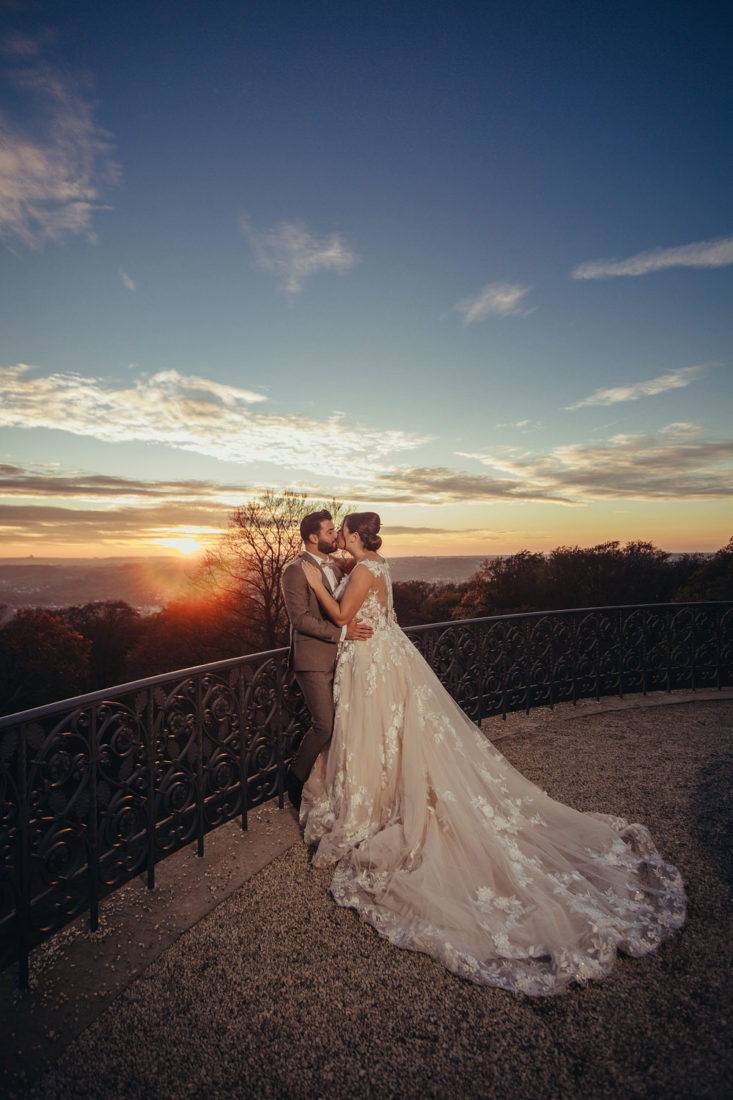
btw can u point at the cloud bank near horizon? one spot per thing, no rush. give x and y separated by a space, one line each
675 463
39 504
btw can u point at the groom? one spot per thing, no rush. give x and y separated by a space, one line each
314 642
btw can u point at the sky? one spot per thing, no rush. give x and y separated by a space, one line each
469 265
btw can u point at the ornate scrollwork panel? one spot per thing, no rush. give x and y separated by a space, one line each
57 803
122 790
221 750
269 728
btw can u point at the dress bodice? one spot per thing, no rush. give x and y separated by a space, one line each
376 610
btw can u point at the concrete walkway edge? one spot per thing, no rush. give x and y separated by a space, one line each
76 973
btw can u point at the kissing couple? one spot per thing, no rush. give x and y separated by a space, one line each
436 839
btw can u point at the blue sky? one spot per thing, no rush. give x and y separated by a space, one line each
470 265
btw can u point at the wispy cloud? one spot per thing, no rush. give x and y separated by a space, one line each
42 524
292 253
191 413
430 485
126 280
55 160
521 424
634 391
675 463
42 481
480 534
715 253
497 299
41 504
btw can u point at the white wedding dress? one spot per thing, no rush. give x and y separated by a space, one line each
444 847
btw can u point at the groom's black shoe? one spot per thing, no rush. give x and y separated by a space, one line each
294 787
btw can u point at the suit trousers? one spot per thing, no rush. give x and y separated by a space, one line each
317 688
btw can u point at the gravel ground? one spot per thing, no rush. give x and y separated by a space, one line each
279 993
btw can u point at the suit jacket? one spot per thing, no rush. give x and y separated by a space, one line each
313 637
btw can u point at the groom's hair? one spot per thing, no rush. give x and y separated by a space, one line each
311 524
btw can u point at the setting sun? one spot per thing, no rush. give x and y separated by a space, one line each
182 545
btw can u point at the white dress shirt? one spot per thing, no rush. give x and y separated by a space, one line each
327 568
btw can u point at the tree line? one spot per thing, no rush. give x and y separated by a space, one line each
235 605
571 576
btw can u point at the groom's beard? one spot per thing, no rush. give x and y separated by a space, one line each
326 547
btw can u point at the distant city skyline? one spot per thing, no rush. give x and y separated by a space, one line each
469 266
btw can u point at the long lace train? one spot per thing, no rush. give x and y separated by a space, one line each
444 847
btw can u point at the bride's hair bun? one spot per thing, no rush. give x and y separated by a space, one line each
367 525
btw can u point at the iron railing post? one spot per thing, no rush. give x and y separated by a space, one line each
243 753
199 785
23 897
150 768
93 869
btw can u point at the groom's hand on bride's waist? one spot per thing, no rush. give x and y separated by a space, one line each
358 631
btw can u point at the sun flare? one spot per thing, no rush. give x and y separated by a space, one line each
182 545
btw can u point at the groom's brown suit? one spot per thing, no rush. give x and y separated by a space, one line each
313 648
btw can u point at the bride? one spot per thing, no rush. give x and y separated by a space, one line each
441 844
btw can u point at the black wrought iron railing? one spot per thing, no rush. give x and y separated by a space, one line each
96 790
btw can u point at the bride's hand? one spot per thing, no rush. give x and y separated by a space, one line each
313 575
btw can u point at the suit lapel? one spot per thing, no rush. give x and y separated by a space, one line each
308 558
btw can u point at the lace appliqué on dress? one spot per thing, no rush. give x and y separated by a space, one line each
444 847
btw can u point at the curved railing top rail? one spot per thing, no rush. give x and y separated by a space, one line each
132 686
568 611
112 692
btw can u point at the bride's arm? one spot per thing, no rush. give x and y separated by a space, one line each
353 598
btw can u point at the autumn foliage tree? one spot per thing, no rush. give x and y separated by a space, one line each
112 628
245 570
42 659
713 579
573 576
503 585
417 602
192 630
